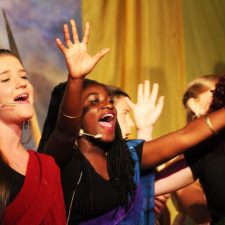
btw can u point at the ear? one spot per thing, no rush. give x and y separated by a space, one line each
193 105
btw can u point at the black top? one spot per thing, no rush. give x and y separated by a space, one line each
15 181
207 162
104 196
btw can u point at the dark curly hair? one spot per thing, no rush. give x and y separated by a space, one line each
120 162
218 95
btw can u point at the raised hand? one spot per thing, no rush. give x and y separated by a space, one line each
146 111
78 60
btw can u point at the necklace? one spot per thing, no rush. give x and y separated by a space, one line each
73 196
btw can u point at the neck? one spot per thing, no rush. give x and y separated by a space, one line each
93 146
95 155
10 138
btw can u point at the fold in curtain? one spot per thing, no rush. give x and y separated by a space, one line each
146 42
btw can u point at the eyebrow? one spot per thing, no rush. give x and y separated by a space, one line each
23 70
4 72
8 71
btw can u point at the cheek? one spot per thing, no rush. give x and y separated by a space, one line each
206 100
206 103
5 93
31 92
122 121
89 120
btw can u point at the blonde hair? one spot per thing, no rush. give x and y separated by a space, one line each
195 88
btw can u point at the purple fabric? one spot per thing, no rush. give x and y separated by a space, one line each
120 215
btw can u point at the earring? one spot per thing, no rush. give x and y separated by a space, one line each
26 124
27 133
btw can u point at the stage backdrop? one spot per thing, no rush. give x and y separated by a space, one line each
169 42
35 25
166 41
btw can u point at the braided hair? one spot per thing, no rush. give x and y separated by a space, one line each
119 161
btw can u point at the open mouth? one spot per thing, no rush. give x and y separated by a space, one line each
107 120
21 98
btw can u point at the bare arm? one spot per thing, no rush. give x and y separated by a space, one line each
173 177
192 201
79 64
166 147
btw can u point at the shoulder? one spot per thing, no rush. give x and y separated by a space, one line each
135 146
43 158
135 143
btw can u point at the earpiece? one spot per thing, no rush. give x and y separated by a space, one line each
96 136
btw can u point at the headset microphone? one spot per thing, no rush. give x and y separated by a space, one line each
97 136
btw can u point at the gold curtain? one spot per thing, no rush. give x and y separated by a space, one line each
166 41
146 42
204 36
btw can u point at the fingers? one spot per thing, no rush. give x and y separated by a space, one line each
154 94
160 105
159 206
160 202
74 31
158 209
67 35
100 54
162 198
60 44
86 33
144 94
144 91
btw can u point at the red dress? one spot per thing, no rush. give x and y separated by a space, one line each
40 200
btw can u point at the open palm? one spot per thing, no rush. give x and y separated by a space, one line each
78 61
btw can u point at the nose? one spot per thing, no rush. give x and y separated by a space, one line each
108 103
21 83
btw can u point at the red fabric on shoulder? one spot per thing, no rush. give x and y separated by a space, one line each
40 201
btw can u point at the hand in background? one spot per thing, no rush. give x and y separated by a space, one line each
160 203
147 109
78 60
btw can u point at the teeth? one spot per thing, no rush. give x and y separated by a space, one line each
24 96
108 115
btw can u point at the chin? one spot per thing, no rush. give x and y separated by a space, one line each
29 115
108 139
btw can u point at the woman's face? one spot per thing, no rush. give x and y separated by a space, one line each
123 116
202 103
99 114
15 89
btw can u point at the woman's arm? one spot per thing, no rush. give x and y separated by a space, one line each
166 147
175 176
79 64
